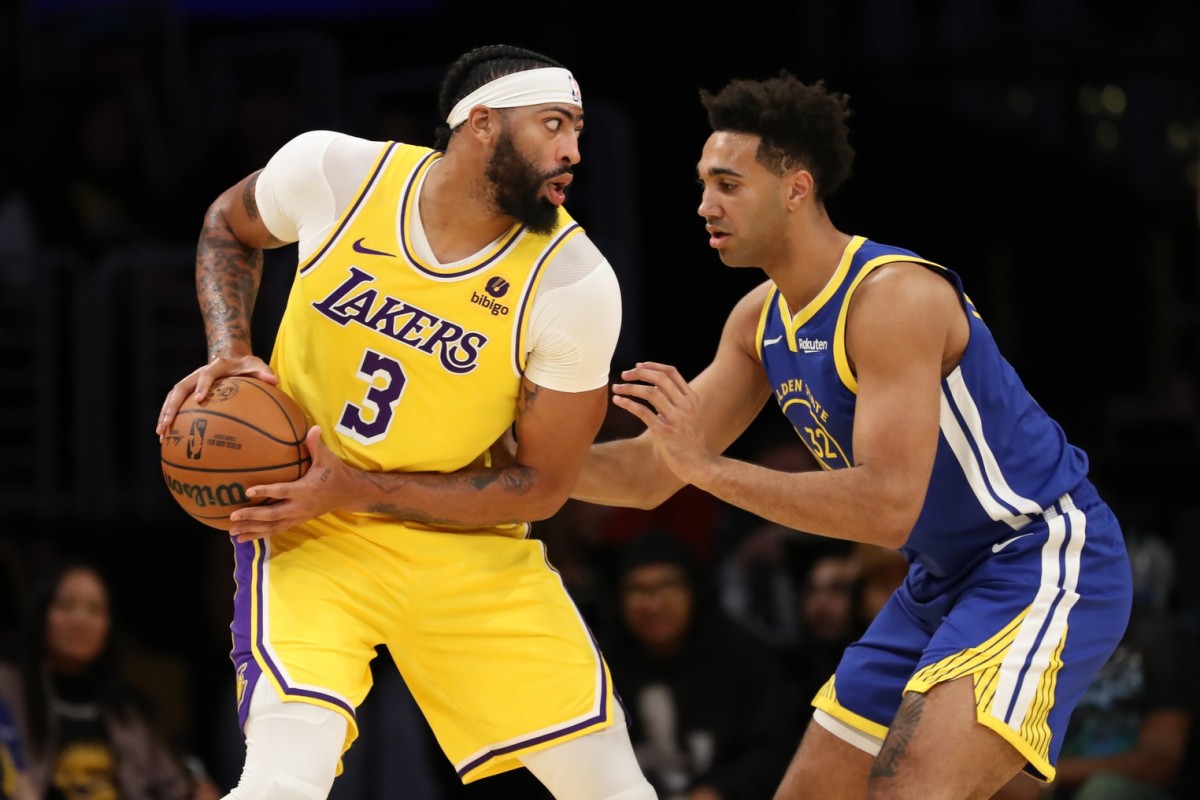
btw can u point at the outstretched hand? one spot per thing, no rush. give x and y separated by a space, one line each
670 408
323 488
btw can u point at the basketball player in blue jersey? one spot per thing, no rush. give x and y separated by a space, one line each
443 298
923 439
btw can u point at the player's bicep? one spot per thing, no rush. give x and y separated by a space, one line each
895 337
553 431
236 210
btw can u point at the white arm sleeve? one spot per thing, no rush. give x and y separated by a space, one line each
308 183
575 321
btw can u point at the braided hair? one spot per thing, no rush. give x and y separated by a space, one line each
474 69
799 125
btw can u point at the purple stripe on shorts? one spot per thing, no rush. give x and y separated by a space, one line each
247 556
524 743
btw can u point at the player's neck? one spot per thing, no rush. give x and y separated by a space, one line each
457 211
810 257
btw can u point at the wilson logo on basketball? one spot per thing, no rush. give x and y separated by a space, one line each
225 495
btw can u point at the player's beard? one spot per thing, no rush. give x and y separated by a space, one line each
517 186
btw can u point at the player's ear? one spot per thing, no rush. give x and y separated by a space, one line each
483 122
798 184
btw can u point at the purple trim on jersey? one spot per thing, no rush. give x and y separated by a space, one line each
406 247
545 737
362 196
527 300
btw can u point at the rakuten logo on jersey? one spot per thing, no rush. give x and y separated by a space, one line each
811 345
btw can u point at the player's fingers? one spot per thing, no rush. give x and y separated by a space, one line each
639 410
672 383
171 404
312 440
647 392
266 376
657 366
204 381
666 378
267 492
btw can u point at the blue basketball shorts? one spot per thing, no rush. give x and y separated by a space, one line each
1031 621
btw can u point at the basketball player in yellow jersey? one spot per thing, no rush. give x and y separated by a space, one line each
443 297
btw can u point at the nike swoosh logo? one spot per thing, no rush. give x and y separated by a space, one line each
772 341
996 548
359 247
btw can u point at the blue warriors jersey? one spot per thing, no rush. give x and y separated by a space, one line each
1001 460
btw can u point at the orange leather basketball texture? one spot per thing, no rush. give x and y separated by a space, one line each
246 433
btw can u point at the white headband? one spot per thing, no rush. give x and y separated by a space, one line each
528 88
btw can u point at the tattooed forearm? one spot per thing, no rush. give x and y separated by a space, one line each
227 279
899 735
514 479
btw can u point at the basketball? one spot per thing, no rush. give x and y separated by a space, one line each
246 433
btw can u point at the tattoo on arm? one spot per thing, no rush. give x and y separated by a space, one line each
887 763
529 393
248 199
513 478
227 278
250 203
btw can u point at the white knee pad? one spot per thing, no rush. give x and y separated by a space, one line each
292 749
598 766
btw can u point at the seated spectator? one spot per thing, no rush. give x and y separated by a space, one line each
880 573
829 618
87 732
712 716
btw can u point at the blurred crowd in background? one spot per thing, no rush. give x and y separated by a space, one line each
1047 151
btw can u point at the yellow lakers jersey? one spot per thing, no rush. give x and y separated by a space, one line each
407 365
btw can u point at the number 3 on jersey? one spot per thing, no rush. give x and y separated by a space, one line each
386 380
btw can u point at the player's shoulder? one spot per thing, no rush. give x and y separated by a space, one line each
744 317
316 143
580 246
573 255
752 301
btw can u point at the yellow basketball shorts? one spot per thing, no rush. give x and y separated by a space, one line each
480 625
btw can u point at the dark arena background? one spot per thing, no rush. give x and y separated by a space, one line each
1047 150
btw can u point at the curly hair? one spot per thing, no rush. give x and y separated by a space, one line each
476 67
799 125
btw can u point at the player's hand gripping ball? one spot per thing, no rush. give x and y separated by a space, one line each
246 433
